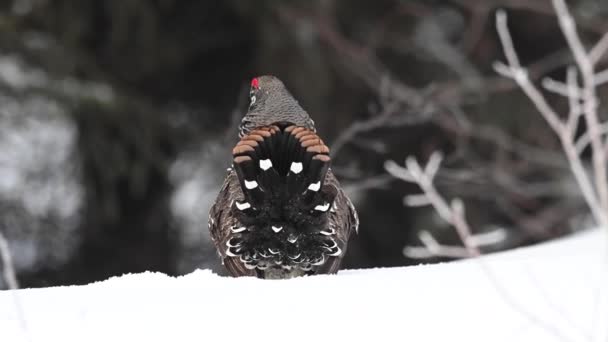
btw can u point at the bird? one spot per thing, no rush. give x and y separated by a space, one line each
281 212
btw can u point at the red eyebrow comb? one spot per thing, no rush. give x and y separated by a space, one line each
255 83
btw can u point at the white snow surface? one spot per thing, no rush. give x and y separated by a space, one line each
554 291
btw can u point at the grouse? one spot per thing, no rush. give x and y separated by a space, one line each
281 212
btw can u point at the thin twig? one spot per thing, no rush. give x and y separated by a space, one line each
590 103
413 172
452 213
515 71
561 88
583 140
359 127
7 264
601 77
596 53
573 102
587 95
374 182
391 115
432 248
503 140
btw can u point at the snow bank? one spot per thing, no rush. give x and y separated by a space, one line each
545 293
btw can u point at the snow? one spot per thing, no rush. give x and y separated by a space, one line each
549 292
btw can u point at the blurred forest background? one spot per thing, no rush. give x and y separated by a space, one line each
116 119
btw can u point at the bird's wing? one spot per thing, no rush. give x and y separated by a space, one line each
343 218
353 217
220 222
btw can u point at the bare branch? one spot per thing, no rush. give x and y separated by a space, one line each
432 166
501 139
590 102
366 183
7 264
584 139
520 76
573 100
596 53
488 238
423 176
568 27
359 127
561 88
507 42
415 170
11 280
454 215
431 248
423 252
601 77
398 172
419 200
564 131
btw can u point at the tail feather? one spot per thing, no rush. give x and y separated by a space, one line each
281 170
281 163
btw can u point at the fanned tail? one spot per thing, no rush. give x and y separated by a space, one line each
281 169
282 162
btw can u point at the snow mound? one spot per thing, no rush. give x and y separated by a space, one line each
553 291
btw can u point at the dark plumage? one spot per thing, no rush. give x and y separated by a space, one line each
280 212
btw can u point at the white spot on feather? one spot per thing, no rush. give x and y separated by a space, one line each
331 231
276 229
253 100
323 207
334 244
315 186
251 184
355 216
234 229
296 167
265 164
320 262
336 253
229 244
243 206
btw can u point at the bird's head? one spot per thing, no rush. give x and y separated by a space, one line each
271 102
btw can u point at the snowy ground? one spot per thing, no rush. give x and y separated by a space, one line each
549 292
